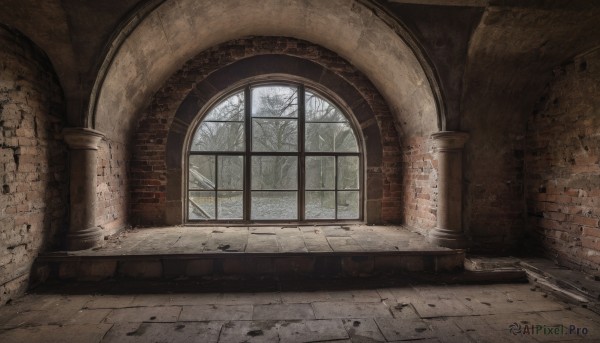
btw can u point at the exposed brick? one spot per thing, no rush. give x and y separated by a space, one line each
563 160
148 163
32 161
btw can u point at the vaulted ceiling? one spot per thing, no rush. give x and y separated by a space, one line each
476 47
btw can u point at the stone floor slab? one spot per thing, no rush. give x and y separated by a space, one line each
215 312
312 331
55 334
333 310
400 330
249 331
363 330
158 314
207 332
283 312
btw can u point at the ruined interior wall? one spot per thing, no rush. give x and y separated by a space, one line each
33 203
419 189
562 164
112 187
148 166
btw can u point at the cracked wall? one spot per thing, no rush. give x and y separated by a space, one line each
33 200
563 165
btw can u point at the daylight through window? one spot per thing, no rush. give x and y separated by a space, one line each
274 152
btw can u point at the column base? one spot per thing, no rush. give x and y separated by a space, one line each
448 239
85 239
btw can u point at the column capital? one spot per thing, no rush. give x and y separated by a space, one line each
450 140
80 138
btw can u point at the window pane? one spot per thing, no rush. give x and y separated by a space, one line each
320 172
202 172
231 172
274 205
231 205
348 167
219 136
320 205
330 137
347 205
274 172
230 109
201 205
319 109
279 135
275 101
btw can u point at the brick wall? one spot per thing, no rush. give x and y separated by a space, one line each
113 189
33 180
148 167
419 189
562 163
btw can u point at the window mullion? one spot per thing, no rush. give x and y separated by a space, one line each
247 157
335 196
216 191
301 156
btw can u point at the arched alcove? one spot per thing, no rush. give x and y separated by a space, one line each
175 31
279 67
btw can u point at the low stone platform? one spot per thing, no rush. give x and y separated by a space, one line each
195 252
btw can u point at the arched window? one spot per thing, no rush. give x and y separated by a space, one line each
274 152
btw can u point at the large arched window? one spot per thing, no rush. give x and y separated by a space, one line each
274 152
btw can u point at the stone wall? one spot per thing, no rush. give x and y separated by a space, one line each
148 167
562 163
33 178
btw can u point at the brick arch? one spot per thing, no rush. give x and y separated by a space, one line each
157 188
285 66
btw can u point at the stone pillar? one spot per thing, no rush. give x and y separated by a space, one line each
83 145
449 232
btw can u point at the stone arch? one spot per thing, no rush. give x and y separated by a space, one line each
286 67
173 31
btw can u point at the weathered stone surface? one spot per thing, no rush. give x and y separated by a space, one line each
164 332
283 312
159 314
215 312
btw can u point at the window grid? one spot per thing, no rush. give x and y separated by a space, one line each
300 152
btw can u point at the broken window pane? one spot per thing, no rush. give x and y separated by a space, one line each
201 205
201 172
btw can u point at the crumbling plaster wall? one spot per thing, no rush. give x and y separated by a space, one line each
33 203
562 164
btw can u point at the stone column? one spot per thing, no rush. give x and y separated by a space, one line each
449 232
83 145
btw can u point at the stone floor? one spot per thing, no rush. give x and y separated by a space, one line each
314 311
262 239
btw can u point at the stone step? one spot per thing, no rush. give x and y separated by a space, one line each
234 264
